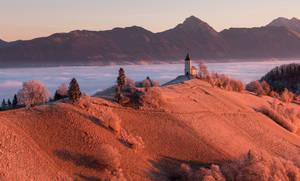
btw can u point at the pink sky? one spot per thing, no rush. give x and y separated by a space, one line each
34 18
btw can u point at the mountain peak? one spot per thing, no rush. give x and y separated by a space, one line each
293 23
193 20
295 19
194 24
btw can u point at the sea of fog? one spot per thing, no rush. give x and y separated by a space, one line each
95 78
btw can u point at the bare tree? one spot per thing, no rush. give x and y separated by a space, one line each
156 83
63 89
146 84
203 72
61 92
33 93
129 82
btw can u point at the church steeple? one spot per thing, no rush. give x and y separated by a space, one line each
187 58
188 65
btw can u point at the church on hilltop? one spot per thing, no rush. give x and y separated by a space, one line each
189 69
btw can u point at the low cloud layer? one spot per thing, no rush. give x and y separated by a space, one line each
95 78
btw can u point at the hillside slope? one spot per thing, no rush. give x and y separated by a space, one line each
194 123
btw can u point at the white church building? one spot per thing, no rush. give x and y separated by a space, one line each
189 69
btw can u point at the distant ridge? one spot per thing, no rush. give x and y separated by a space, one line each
292 23
2 42
133 45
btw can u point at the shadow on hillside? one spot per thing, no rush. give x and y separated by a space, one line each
78 159
95 120
125 143
88 178
168 168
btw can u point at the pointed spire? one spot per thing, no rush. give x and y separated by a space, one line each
187 58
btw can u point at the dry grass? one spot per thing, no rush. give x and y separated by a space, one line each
111 120
109 157
256 166
261 166
135 142
286 117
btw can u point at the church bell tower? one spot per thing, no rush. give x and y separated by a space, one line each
188 65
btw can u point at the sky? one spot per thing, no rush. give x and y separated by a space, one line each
28 19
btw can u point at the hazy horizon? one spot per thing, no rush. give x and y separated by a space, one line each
32 18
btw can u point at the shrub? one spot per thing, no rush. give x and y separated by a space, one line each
156 83
109 157
74 91
203 72
146 84
297 98
224 82
256 87
266 87
285 117
129 82
237 85
84 101
258 166
111 120
274 94
152 98
117 176
135 142
33 93
286 96
114 122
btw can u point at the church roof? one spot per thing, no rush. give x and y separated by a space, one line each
187 57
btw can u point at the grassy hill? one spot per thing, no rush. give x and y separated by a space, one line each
190 123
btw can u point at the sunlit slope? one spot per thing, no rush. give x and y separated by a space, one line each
193 122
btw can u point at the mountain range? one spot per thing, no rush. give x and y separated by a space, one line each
279 39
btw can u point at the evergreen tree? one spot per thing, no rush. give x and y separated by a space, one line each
151 84
57 96
15 101
74 91
8 103
3 104
121 78
118 94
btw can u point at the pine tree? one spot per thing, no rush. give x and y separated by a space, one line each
57 96
3 104
74 91
8 103
15 101
121 78
118 94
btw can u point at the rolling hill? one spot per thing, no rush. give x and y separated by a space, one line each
193 124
